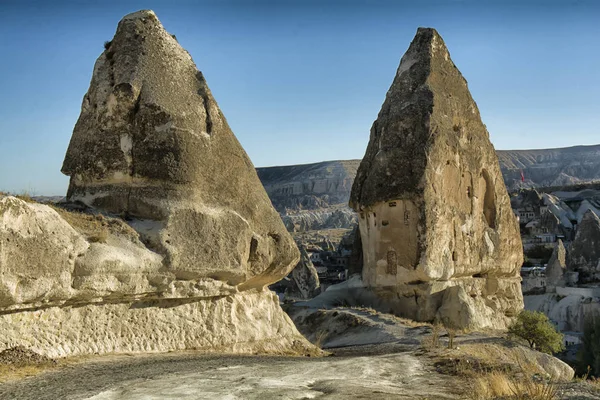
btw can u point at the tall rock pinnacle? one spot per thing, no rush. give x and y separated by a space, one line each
151 143
556 268
584 255
434 211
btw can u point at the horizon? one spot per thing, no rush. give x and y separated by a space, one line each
302 82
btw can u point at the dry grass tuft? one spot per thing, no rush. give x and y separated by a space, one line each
496 373
432 341
25 197
96 227
100 237
410 322
12 372
499 385
451 337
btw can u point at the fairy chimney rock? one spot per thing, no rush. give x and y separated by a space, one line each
434 210
556 268
584 254
152 144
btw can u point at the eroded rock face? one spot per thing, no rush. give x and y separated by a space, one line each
151 143
179 239
556 268
584 257
434 211
305 277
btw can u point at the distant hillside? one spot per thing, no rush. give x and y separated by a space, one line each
551 167
309 186
328 184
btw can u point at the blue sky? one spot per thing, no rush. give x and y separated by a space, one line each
302 81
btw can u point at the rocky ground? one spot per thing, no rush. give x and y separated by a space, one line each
373 356
193 376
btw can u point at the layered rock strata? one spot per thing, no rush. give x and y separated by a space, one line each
179 239
438 234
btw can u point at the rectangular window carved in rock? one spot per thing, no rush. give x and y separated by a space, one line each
392 204
385 222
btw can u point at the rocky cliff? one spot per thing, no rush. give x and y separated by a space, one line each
550 167
312 196
177 240
541 168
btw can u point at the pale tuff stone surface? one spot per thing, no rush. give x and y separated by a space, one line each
178 240
151 143
247 322
584 255
62 293
434 211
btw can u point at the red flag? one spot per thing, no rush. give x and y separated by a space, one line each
522 176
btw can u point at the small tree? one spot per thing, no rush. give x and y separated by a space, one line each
538 331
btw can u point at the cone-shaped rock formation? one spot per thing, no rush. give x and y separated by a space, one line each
152 143
584 255
179 238
434 211
556 268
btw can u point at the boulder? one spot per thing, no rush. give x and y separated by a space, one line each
167 240
584 254
433 209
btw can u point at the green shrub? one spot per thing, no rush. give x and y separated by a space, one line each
535 328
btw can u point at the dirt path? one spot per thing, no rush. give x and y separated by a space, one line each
194 376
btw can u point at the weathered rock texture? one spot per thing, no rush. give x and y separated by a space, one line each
305 277
550 167
439 237
556 268
309 186
151 143
568 308
584 255
312 196
201 242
